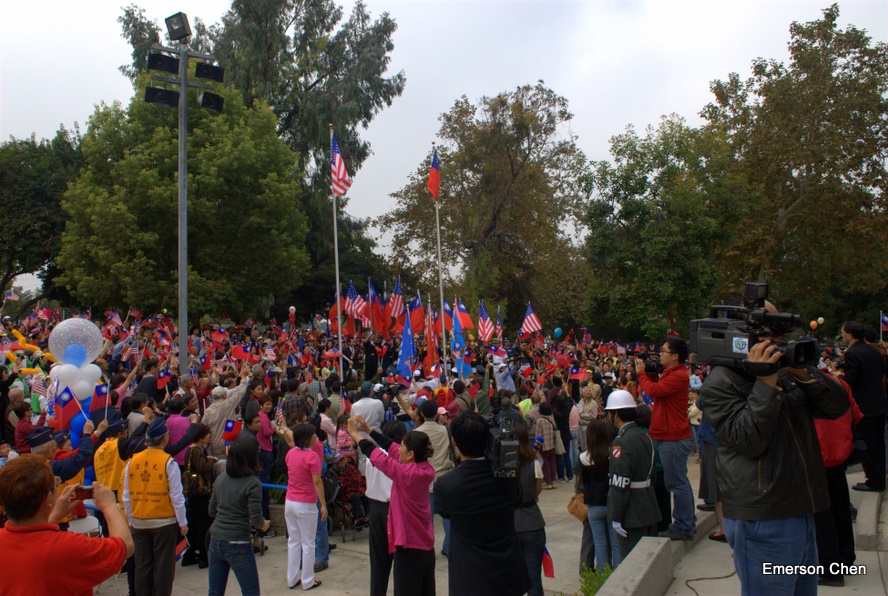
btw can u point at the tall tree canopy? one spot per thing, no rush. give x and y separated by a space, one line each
312 68
33 178
812 137
510 193
245 231
658 217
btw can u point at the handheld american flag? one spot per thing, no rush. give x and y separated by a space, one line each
485 325
339 175
11 296
531 321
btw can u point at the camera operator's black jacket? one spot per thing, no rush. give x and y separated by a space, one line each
769 461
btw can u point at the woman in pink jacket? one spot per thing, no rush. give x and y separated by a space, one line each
410 530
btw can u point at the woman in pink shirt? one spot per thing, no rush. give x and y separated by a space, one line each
266 452
410 531
304 490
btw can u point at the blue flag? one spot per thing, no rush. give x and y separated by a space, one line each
458 348
408 350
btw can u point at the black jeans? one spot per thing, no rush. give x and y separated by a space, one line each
414 572
380 559
532 545
197 509
872 430
835 534
156 560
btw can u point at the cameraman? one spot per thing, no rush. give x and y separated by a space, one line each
671 429
484 554
770 471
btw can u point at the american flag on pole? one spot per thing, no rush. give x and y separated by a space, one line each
396 302
270 354
11 296
114 319
531 321
499 324
354 303
485 325
341 181
132 350
37 385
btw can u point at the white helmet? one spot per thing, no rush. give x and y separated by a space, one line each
619 400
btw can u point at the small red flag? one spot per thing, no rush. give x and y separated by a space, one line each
548 564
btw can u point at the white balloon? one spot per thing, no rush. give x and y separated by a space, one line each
82 389
76 331
68 374
54 372
91 373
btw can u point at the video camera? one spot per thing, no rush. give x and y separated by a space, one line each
652 365
502 448
725 336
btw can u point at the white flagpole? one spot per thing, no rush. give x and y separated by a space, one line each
441 282
336 262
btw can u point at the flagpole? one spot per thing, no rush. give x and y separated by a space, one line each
441 282
881 325
338 287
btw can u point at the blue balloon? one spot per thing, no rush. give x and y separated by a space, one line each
77 423
75 354
558 332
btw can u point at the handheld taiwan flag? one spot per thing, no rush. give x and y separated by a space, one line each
100 398
496 351
498 331
548 564
577 374
434 184
339 175
163 377
485 325
884 319
65 407
531 322
181 548
231 430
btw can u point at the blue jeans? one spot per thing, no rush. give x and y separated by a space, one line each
574 446
602 533
674 455
789 541
446 546
240 559
322 540
532 544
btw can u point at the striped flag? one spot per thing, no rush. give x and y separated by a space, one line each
37 385
485 325
133 350
354 303
395 304
114 319
531 321
11 296
341 181
499 324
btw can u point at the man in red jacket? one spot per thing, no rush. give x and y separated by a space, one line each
671 430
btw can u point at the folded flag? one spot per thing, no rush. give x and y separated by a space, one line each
548 564
182 548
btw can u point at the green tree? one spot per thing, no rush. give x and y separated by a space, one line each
510 195
245 231
657 218
33 178
313 69
811 137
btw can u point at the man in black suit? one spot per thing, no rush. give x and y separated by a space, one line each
484 554
864 372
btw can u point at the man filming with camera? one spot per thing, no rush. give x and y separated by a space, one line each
484 554
770 471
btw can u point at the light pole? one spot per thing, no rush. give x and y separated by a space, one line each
179 30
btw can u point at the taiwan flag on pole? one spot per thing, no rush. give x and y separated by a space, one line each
100 398
548 564
884 319
465 319
65 407
434 184
408 350
163 377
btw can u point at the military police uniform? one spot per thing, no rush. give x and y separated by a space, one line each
630 498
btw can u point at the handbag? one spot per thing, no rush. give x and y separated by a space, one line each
559 444
577 508
195 485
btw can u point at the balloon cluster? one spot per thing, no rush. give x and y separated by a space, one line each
76 343
817 323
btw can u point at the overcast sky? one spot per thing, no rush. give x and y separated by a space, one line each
618 63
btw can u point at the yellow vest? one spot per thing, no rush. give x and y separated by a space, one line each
120 490
108 465
149 487
76 480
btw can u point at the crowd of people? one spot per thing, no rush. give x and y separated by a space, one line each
185 461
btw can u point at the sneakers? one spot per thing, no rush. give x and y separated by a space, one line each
673 535
270 534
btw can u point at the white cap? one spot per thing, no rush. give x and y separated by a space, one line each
619 400
377 388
